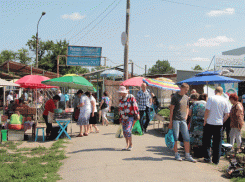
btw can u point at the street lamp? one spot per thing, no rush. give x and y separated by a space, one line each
43 13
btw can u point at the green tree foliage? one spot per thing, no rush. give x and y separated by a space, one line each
161 67
197 67
48 52
7 55
23 56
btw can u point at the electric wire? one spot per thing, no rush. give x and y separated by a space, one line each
196 6
98 22
93 20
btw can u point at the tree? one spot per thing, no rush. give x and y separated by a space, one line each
23 56
7 55
47 56
197 67
161 67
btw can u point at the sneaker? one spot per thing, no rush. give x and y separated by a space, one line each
178 158
130 148
190 159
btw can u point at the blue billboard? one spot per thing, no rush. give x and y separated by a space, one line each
83 56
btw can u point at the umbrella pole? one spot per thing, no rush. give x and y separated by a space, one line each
36 104
97 86
207 87
4 100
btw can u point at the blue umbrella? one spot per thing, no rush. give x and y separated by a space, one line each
111 73
208 77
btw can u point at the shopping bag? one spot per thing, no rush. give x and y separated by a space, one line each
76 115
169 139
50 117
137 129
119 133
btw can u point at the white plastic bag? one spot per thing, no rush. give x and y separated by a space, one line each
50 117
119 133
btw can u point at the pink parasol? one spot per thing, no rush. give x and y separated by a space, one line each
33 81
135 81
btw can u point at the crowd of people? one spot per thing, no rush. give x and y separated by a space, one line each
200 120
197 120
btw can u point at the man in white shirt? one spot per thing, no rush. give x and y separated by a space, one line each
217 112
10 97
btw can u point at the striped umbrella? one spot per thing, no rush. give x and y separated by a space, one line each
162 83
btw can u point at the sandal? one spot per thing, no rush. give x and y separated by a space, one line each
97 131
79 135
85 134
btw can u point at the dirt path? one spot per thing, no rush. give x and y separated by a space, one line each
98 157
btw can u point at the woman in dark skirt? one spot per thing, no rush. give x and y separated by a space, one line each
94 115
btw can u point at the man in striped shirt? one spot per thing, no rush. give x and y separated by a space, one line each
144 101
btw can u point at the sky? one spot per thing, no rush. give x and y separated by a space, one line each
185 33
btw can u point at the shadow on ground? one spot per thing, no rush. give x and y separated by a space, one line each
109 134
94 150
148 159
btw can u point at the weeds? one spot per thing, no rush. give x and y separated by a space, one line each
43 164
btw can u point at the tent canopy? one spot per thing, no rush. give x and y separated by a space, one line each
208 77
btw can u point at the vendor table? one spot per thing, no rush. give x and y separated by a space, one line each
63 123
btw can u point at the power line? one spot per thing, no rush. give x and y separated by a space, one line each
94 20
196 6
98 22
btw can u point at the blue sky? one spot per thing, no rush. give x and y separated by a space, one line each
185 33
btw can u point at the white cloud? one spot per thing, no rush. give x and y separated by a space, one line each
193 50
73 16
147 36
227 11
202 42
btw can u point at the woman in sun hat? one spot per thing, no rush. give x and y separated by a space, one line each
128 114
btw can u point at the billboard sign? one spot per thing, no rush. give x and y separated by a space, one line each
238 61
83 56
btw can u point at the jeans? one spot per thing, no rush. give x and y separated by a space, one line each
214 131
182 127
147 113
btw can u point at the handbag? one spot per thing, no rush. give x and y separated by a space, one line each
104 105
137 129
119 133
169 139
76 115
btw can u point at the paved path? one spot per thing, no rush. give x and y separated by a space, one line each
98 157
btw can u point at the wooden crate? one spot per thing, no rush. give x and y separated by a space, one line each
16 135
31 111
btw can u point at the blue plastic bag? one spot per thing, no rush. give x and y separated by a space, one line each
169 139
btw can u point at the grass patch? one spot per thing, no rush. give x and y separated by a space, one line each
43 166
238 179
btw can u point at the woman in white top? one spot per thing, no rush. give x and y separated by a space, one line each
94 115
85 111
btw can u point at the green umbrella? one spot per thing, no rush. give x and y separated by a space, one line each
71 81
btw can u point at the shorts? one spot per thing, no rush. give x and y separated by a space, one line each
182 127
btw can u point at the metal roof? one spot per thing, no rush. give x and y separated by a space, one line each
11 70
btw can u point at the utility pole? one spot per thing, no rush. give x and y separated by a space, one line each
145 69
105 61
132 69
127 41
